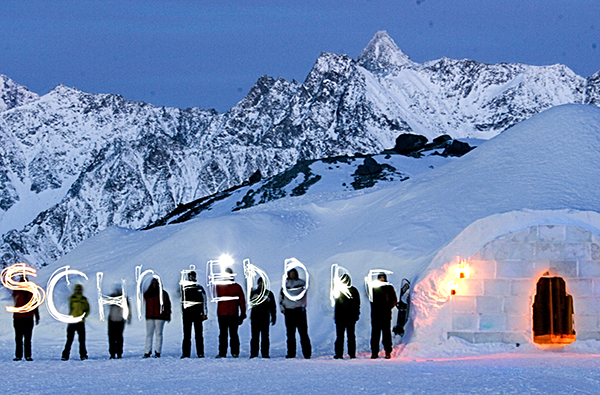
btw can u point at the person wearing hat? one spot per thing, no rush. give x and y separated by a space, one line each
78 307
346 313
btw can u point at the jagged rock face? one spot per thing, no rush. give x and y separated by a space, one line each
592 90
14 95
464 98
93 161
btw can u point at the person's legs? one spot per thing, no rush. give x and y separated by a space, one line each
303 332
199 336
80 328
255 338
112 339
150 325
386 330
120 328
160 326
28 334
186 346
290 327
339 340
265 343
19 334
234 339
351 332
223 328
70 336
375 337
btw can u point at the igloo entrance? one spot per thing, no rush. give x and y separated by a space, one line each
552 312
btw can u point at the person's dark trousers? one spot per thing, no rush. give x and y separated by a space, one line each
194 320
349 328
260 335
115 338
381 329
23 332
228 325
295 319
71 329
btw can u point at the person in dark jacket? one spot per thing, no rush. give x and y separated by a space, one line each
261 315
78 307
295 315
384 300
231 312
116 325
194 312
157 315
23 324
346 313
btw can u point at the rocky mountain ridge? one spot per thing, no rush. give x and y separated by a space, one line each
73 163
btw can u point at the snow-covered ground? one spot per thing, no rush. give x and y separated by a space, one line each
550 162
507 373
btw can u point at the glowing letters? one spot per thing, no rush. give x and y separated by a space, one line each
139 278
185 283
217 274
372 280
56 276
338 287
120 300
252 273
289 264
7 276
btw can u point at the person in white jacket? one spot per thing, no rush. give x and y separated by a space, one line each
295 314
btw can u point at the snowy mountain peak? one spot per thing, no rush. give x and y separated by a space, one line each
383 55
14 95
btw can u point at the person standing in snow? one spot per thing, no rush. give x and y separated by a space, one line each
231 312
346 313
384 300
78 307
193 306
116 325
23 324
261 315
295 315
157 314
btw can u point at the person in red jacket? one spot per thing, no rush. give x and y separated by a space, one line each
23 324
231 312
156 316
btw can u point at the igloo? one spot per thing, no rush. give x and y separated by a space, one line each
517 277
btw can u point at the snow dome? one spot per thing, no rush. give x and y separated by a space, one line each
485 285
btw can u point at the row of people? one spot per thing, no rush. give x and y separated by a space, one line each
231 312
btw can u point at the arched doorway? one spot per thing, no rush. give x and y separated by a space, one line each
552 312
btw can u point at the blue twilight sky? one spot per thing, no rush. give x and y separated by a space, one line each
208 54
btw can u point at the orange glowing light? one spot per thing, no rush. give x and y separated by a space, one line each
453 286
7 276
463 270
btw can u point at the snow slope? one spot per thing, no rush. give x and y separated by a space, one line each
549 162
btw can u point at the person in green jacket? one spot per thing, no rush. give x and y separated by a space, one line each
78 307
